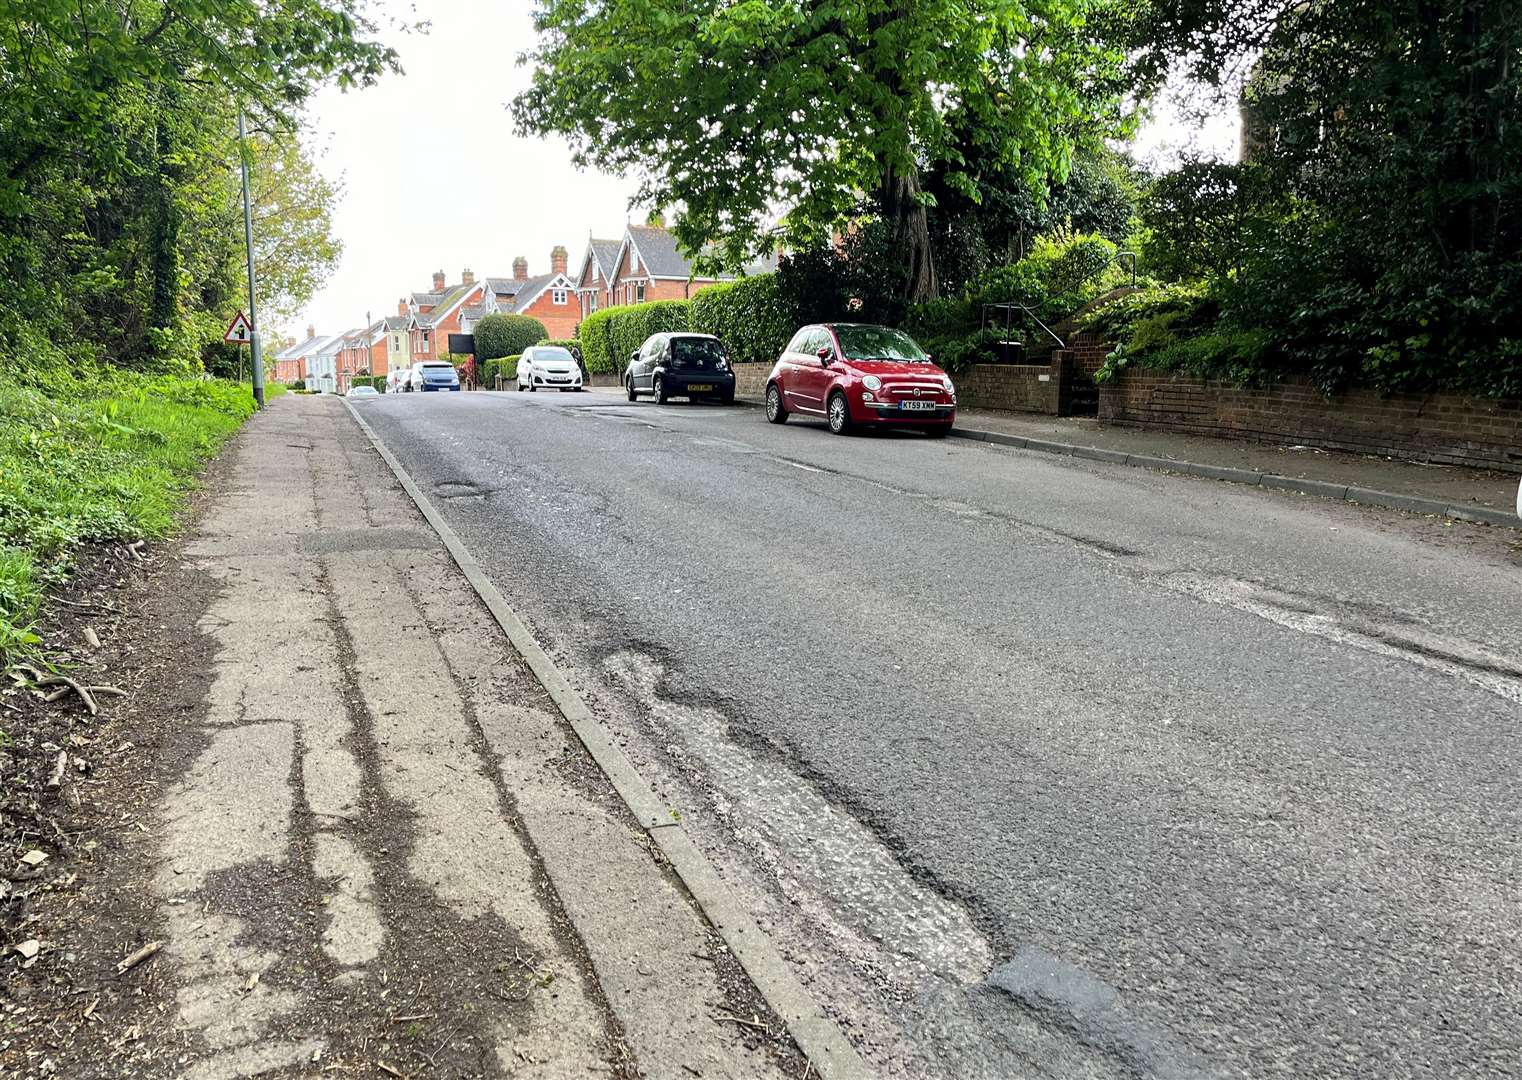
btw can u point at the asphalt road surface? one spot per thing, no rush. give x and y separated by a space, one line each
1032 766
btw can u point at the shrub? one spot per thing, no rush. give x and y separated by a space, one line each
569 344
500 335
632 324
506 367
1208 219
748 315
595 335
299 384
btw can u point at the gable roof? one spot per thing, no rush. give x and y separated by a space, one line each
503 286
396 322
297 351
447 301
534 288
660 257
604 253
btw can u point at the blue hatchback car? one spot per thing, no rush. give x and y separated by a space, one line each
433 375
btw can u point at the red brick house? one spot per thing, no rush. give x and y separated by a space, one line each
291 362
650 266
434 315
593 280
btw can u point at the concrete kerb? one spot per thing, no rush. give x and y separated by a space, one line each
820 1039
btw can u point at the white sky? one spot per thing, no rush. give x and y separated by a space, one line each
434 178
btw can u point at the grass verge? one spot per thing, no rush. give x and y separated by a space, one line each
108 458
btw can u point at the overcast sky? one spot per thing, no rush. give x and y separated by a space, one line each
435 179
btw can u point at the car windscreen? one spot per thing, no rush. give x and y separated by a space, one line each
434 369
879 343
696 352
552 354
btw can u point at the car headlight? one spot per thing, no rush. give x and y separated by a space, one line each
872 382
946 382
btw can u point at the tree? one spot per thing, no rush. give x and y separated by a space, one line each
500 335
294 245
729 111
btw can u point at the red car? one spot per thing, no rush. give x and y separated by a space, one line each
859 375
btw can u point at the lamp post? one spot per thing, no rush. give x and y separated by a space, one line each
248 242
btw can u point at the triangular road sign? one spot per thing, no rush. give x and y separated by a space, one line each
239 332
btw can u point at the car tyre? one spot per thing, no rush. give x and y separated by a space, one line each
659 386
629 388
839 414
776 412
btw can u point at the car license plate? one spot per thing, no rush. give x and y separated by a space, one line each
699 387
916 405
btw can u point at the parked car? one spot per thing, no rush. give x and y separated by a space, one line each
548 367
362 391
859 375
433 375
693 366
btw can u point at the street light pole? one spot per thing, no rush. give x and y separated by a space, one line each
248 241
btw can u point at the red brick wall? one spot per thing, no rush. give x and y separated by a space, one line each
288 371
1016 387
1442 428
378 356
559 319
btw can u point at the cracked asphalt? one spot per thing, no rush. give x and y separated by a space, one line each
1033 766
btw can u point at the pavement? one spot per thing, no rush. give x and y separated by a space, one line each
1027 765
384 824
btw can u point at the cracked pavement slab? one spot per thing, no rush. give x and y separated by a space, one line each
385 845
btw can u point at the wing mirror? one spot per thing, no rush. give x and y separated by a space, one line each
633 356
825 354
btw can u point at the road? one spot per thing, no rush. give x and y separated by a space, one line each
1032 766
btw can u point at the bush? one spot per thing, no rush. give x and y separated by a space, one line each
1209 219
299 384
633 324
506 366
569 344
595 335
500 335
748 316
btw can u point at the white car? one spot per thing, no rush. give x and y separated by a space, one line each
549 367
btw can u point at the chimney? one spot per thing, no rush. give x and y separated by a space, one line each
558 258
467 276
311 332
401 306
438 281
520 268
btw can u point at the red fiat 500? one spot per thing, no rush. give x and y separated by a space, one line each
858 375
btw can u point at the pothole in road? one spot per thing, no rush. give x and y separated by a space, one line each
460 489
819 857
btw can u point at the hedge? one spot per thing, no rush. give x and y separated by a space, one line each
608 336
500 335
506 366
569 344
597 342
633 324
748 316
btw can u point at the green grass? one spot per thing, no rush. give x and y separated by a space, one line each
105 458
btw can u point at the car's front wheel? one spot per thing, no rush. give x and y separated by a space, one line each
839 414
776 412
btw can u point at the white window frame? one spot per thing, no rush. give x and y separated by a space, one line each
560 296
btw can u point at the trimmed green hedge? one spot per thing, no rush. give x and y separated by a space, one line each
564 343
506 366
608 336
376 381
500 335
595 335
748 316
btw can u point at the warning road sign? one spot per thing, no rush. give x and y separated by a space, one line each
239 332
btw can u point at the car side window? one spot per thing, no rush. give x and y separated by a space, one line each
800 340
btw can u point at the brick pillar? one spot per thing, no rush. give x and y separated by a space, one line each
1060 385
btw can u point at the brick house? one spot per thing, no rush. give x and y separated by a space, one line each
650 266
434 315
593 291
550 298
291 361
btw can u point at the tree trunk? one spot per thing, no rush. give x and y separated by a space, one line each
910 226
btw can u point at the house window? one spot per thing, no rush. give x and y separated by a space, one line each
396 342
558 296
639 293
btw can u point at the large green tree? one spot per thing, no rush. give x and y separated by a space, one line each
117 168
763 121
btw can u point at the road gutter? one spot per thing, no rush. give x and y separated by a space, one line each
818 1036
1387 500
